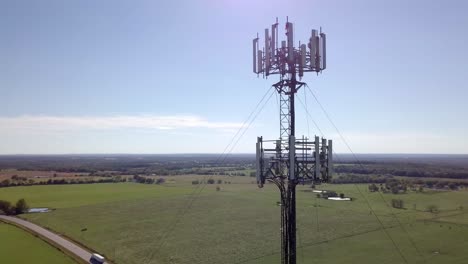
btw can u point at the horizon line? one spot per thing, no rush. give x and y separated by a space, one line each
213 153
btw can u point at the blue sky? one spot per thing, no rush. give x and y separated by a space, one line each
175 76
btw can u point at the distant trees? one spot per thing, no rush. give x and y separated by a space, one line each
372 171
22 181
210 181
397 186
5 183
118 178
21 206
440 185
148 180
141 179
413 170
7 208
18 178
373 188
432 208
160 181
430 184
397 203
395 189
356 178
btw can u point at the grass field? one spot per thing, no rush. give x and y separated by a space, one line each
137 223
19 246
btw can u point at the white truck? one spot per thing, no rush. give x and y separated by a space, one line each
97 259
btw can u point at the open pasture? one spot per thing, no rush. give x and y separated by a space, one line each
19 246
178 222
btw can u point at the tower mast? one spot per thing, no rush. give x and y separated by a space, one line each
290 161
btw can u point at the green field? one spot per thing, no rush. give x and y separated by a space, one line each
19 246
137 223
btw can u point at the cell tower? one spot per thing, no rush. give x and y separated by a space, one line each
289 161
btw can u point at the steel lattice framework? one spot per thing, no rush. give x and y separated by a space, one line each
288 161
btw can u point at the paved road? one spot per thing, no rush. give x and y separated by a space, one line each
70 246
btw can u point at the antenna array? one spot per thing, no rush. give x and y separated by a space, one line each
285 58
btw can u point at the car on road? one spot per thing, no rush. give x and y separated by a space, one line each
96 259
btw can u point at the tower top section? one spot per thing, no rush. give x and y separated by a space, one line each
279 56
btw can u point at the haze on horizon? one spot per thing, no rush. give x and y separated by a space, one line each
175 76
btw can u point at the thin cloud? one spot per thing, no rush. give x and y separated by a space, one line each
67 123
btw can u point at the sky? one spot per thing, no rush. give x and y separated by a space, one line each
175 76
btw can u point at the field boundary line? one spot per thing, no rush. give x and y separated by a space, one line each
69 253
46 240
446 223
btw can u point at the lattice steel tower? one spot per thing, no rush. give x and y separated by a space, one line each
290 160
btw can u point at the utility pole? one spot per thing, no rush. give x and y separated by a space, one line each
290 160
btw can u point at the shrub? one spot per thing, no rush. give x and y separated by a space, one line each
149 181
195 182
5 183
211 181
21 206
432 208
160 181
373 188
397 203
7 208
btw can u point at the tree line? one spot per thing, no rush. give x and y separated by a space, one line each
396 186
20 207
210 181
148 180
29 182
406 170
